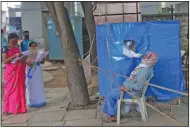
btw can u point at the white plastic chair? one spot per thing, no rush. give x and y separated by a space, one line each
138 100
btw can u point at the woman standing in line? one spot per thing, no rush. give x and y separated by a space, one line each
34 79
14 78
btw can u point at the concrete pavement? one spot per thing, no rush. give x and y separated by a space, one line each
55 113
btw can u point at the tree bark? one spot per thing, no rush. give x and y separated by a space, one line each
44 30
51 8
91 27
76 78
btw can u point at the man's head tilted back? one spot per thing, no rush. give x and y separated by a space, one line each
150 58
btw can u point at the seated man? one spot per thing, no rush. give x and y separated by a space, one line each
142 73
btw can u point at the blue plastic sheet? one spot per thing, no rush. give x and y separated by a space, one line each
161 37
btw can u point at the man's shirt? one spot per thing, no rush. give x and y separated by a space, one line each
24 45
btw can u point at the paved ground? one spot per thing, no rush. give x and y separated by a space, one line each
55 114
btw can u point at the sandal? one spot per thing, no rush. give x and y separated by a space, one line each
108 120
6 113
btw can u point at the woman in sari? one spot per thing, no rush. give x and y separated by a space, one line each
14 78
34 79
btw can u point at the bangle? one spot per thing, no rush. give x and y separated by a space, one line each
10 59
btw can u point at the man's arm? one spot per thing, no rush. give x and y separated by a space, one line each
142 76
131 54
136 55
127 84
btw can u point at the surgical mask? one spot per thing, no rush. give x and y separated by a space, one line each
13 41
33 50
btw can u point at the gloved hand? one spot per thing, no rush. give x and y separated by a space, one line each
139 55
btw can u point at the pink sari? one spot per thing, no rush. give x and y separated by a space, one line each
14 86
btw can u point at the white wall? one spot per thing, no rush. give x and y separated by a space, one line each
32 20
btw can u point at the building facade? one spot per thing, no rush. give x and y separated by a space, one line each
163 7
32 20
150 7
3 19
182 7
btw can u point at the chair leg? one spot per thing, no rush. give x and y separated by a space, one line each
118 111
145 109
171 112
122 109
99 101
142 110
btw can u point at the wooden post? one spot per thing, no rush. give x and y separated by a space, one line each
137 11
106 12
123 10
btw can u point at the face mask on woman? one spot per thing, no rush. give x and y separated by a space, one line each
33 49
13 42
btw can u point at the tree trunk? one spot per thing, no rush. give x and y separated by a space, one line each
44 30
91 27
76 78
51 8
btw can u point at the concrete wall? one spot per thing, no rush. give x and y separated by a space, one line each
69 5
43 6
3 19
182 7
172 3
32 20
155 7
46 14
12 12
44 29
150 7
117 8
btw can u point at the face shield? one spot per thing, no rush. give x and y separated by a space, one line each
129 44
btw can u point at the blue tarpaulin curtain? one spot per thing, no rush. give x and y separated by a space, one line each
161 37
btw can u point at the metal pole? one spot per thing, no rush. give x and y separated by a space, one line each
172 13
137 11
